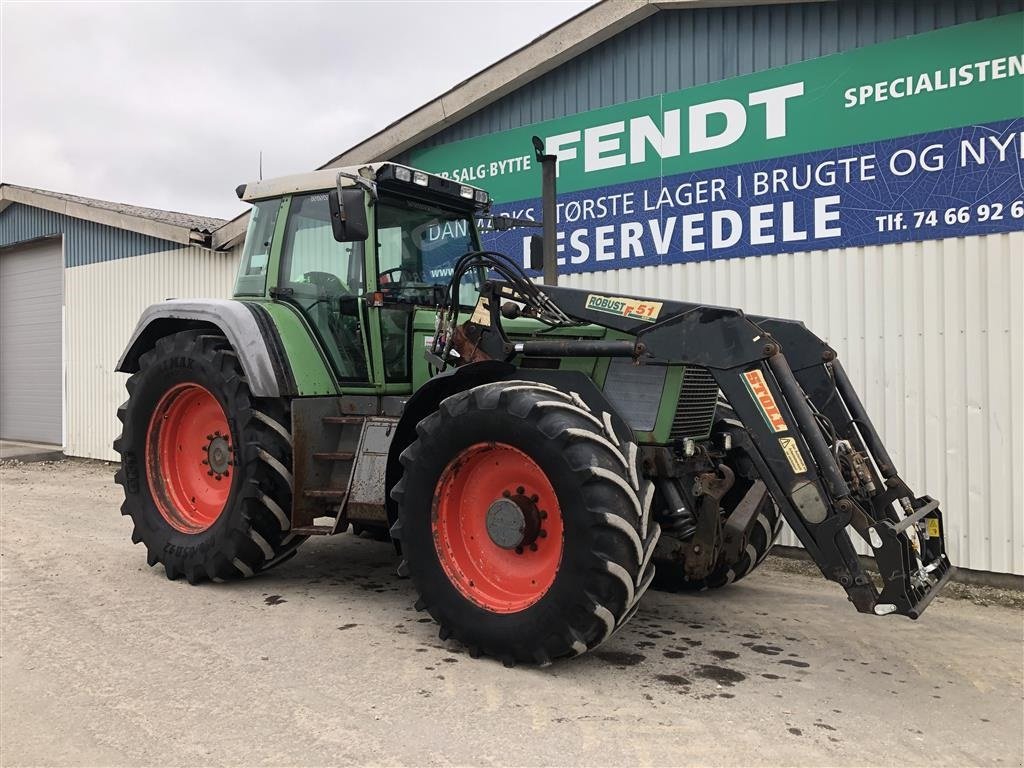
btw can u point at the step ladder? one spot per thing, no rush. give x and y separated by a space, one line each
325 446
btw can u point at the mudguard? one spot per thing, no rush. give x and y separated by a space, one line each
428 397
265 367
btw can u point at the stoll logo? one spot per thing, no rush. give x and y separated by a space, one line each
763 396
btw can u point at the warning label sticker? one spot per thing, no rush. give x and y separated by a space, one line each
793 455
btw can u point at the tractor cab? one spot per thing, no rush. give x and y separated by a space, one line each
356 251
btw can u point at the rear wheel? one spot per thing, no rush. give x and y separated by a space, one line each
205 467
524 522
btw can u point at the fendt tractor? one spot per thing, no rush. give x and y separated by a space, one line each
538 455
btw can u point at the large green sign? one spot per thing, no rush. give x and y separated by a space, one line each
969 74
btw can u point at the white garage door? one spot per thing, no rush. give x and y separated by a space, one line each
31 382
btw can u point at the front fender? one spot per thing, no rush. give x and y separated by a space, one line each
265 367
428 397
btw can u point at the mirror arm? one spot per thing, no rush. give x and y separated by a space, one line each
369 186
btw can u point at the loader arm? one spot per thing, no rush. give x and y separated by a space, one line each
814 445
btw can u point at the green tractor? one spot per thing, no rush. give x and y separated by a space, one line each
538 455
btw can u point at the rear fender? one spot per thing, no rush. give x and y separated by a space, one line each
252 337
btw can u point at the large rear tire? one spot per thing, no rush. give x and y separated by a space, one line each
525 522
205 467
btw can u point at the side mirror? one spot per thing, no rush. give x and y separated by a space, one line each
348 214
537 253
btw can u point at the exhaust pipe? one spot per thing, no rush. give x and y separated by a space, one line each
549 170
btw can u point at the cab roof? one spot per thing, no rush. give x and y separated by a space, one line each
314 181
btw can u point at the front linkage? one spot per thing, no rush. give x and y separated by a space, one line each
809 436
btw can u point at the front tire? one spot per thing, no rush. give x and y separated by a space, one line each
525 522
205 467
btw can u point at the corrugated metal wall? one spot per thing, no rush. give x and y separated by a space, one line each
673 50
103 303
931 334
85 242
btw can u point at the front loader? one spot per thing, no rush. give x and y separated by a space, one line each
539 455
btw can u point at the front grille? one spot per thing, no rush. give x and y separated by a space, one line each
698 398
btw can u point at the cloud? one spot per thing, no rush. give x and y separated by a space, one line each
169 105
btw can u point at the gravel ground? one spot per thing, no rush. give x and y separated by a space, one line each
323 661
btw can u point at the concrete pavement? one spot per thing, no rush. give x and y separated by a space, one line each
323 661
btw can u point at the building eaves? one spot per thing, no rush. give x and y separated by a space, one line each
174 226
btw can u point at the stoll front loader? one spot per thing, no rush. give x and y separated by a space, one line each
535 453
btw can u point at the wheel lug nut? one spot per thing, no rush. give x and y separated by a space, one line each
542 533
520 490
206 448
205 461
210 473
506 494
209 437
533 547
535 498
519 550
543 515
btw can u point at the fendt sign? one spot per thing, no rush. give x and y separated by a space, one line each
916 139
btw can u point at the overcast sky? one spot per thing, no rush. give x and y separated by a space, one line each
169 104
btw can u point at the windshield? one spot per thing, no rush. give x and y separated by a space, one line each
418 245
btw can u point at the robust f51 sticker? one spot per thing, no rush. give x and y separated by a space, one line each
647 311
793 455
763 396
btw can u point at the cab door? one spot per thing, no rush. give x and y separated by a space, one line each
326 280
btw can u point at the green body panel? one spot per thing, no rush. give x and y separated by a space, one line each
312 374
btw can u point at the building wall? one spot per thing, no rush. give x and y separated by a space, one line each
930 332
111 275
103 303
85 242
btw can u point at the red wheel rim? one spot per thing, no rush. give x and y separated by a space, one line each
189 456
484 496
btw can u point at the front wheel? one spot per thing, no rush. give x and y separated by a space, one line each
525 522
205 467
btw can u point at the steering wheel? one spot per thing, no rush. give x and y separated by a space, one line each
328 283
331 290
404 275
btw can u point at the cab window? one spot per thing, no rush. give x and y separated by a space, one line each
325 278
417 247
252 270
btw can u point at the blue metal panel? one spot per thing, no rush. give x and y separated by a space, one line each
678 49
85 242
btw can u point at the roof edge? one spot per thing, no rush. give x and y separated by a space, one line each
11 193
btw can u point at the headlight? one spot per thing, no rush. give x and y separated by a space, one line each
466 192
403 174
419 177
481 196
